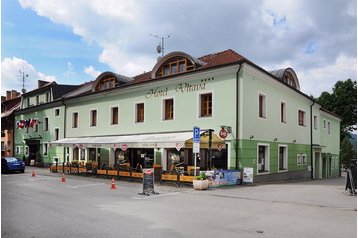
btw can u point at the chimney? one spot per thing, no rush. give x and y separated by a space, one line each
8 95
14 94
41 83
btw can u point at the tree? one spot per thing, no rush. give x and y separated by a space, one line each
347 152
343 102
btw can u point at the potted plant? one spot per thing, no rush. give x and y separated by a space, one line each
200 182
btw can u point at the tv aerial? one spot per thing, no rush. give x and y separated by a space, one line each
23 78
160 47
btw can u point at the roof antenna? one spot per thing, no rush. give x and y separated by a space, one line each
23 78
160 47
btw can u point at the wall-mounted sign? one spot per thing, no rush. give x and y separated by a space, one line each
223 133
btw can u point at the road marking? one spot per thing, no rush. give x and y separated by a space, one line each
154 196
42 179
85 185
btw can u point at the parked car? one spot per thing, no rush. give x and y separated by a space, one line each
12 164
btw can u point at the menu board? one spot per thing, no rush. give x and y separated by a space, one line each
148 182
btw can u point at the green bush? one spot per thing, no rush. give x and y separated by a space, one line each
202 176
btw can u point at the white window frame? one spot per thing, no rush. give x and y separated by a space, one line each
45 149
163 109
27 150
285 161
46 124
59 112
315 120
304 117
304 159
328 127
283 115
111 115
199 104
135 113
91 119
54 133
18 149
78 121
267 158
264 106
299 159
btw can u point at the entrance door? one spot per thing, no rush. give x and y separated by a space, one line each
34 150
316 168
324 167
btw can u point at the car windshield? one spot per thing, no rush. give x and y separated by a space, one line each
11 159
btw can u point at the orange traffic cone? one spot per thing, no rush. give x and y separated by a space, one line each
33 173
63 179
113 184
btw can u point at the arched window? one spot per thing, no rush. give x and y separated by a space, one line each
175 63
108 80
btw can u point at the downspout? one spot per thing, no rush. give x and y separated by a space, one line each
311 130
237 118
64 130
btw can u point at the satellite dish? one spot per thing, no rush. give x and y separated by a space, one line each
159 49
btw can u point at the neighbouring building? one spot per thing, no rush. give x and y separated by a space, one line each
9 104
249 117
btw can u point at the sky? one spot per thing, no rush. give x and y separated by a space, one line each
73 41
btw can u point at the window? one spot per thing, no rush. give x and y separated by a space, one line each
301 118
46 124
262 159
47 97
299 159
114 116
18 150
28 102
282 158
57 112
304 159
329 127
169 109
45 148
139 112
206 105
175 65
324 123
27 150
262 106
93 118
315 122
37 100
36 127
283 112
57 134
75 120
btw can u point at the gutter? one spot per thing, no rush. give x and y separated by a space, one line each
237 117
64 128
311 131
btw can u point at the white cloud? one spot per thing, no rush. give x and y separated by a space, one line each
320 79
90 70
11 78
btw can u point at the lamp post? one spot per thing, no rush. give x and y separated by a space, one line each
209 148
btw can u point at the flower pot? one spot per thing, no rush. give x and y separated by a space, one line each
200 184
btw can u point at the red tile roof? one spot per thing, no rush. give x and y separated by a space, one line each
210 61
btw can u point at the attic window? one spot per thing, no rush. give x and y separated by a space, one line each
288 79
174 65
107 83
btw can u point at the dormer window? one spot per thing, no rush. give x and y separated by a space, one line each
173 66
107 83
175 63
108 80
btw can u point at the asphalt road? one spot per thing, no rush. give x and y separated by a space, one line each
43 206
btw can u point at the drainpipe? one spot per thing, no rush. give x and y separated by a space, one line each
237 118
311 139
64 130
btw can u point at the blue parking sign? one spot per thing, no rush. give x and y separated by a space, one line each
196 134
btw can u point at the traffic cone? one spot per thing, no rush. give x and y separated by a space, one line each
113 184
33 173
63 179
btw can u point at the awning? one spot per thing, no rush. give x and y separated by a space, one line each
161 140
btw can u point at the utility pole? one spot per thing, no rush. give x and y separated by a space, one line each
23 78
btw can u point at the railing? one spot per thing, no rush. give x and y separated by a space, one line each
124 172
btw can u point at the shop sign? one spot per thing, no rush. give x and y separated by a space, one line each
148 182
223 133
248 176
124 147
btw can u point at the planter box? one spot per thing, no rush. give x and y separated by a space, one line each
200 184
